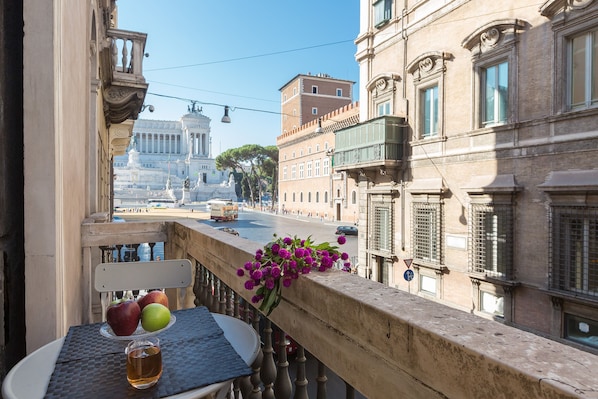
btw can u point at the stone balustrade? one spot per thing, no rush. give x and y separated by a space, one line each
383 342
127 51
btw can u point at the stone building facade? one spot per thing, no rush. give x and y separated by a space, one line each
307 182
475 158
308 97
73 93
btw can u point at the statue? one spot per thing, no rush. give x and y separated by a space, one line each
187 183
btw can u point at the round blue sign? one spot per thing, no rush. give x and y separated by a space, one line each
408 275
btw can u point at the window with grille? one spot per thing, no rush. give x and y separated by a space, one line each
427 232
491 237
382 229
574 234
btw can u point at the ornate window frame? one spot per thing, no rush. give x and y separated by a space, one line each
490 45
381 89
428 70
569 19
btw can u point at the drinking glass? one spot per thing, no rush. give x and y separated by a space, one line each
144 362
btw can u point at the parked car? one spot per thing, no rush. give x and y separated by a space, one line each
228 230
346 230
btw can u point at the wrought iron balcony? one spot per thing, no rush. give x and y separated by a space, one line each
375 144
382 342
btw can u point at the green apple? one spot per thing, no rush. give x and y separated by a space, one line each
154 317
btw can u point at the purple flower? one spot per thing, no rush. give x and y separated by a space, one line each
287 240
256 274
269 283
248 266
284 253
344 256
276 272
299 252
249 285
308 260
275 248
286 282
341 239
258 256
240 272
306 270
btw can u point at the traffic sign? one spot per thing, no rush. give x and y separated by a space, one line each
408 275
408 262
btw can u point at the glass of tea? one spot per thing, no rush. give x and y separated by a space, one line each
144 362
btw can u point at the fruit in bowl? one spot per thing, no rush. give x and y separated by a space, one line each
154 317
123 316
153 297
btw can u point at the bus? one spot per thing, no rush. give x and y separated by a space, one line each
223 210
162 203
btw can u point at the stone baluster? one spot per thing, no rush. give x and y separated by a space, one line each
198 283
268 371
282 386
152 245
125 55
223 299
114 50
230 295
321 379
206 294
301 377
350 391
118 248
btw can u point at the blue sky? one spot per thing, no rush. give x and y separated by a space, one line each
239 53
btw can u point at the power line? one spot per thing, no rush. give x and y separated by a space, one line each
215 104
250 56
214 92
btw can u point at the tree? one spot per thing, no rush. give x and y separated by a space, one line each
257 164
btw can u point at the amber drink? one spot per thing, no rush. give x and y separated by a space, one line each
144 363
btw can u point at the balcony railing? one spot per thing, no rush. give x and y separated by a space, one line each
127 50
375 143
382 342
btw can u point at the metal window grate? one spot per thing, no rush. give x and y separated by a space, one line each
427 232
491 237
574 239
382 228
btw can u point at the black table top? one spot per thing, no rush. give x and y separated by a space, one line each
195 353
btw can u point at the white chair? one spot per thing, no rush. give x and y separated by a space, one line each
129 276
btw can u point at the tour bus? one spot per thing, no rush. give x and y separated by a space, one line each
223 210
162 203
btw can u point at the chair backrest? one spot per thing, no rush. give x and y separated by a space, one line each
130 276
125 276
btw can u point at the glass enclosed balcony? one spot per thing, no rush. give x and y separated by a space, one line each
377 143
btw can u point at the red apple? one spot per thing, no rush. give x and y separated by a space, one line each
153 297
123 316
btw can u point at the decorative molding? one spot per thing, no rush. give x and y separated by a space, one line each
427 64
383 83
553 7
492 35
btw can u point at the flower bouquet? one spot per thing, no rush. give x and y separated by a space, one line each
282 260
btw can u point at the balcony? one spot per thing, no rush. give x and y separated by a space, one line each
373 145
382 342
124 84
